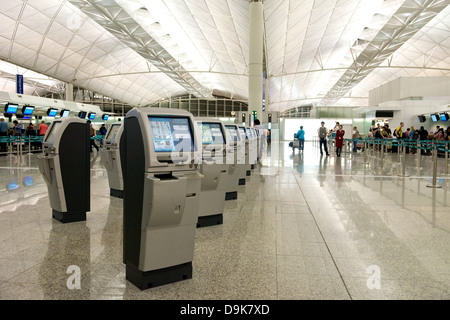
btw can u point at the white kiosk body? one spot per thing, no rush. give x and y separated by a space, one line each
65 166
214 170
110 155
160 153
253 147
236 154
245 138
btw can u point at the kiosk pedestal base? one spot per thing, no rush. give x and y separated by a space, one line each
150 279
116 193
212 220
242 182
253 166
233 195
69 216
249 173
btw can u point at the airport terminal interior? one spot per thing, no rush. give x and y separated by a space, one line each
224 150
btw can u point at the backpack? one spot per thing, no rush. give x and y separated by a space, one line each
415 135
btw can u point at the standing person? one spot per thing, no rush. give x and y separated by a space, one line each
398 133
301 138
355 135
17 129
102 131
322 132
423 134
388 130
3 133
339 140
262 136
92 134
42 128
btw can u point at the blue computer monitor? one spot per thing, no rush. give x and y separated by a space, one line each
443 116
91 116
27 110
11 108
105 117
64 113
51 112
434 117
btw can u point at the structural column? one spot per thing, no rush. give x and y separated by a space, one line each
69 92
255 79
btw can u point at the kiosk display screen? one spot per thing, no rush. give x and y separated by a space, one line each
171 134
242 132
249 133
434 117
211 133
51 134
232 133
112 132
65 113
11 108
28 110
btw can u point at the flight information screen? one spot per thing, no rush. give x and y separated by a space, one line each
51 134
232 133
242 132
171 134
211 133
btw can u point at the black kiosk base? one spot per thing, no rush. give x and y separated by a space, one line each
116 193
249 173
231 195
211 220
155 278
70 216
253 166
242 182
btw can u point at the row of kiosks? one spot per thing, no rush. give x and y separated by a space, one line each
65 166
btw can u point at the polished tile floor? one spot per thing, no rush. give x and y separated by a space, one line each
303 227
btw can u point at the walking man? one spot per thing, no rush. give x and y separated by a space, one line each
301 138
323 133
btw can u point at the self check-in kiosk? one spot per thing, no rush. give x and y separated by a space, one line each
110 155
214 170
234 171
252 149
237 155
65 165
246 142
161 154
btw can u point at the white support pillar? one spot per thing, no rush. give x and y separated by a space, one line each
69 92
255 78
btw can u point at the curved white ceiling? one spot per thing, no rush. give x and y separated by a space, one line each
201 46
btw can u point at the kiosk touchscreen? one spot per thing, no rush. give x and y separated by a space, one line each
65 165
110 155
161 154
237 156
214 170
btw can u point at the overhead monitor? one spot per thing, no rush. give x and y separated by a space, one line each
12 186
242 132
91 115
211 133
434 117
171 134
443 116
65 113
27 110
422 119
105 117
11 108
51 112
112 132
51 135
82 114
232 133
